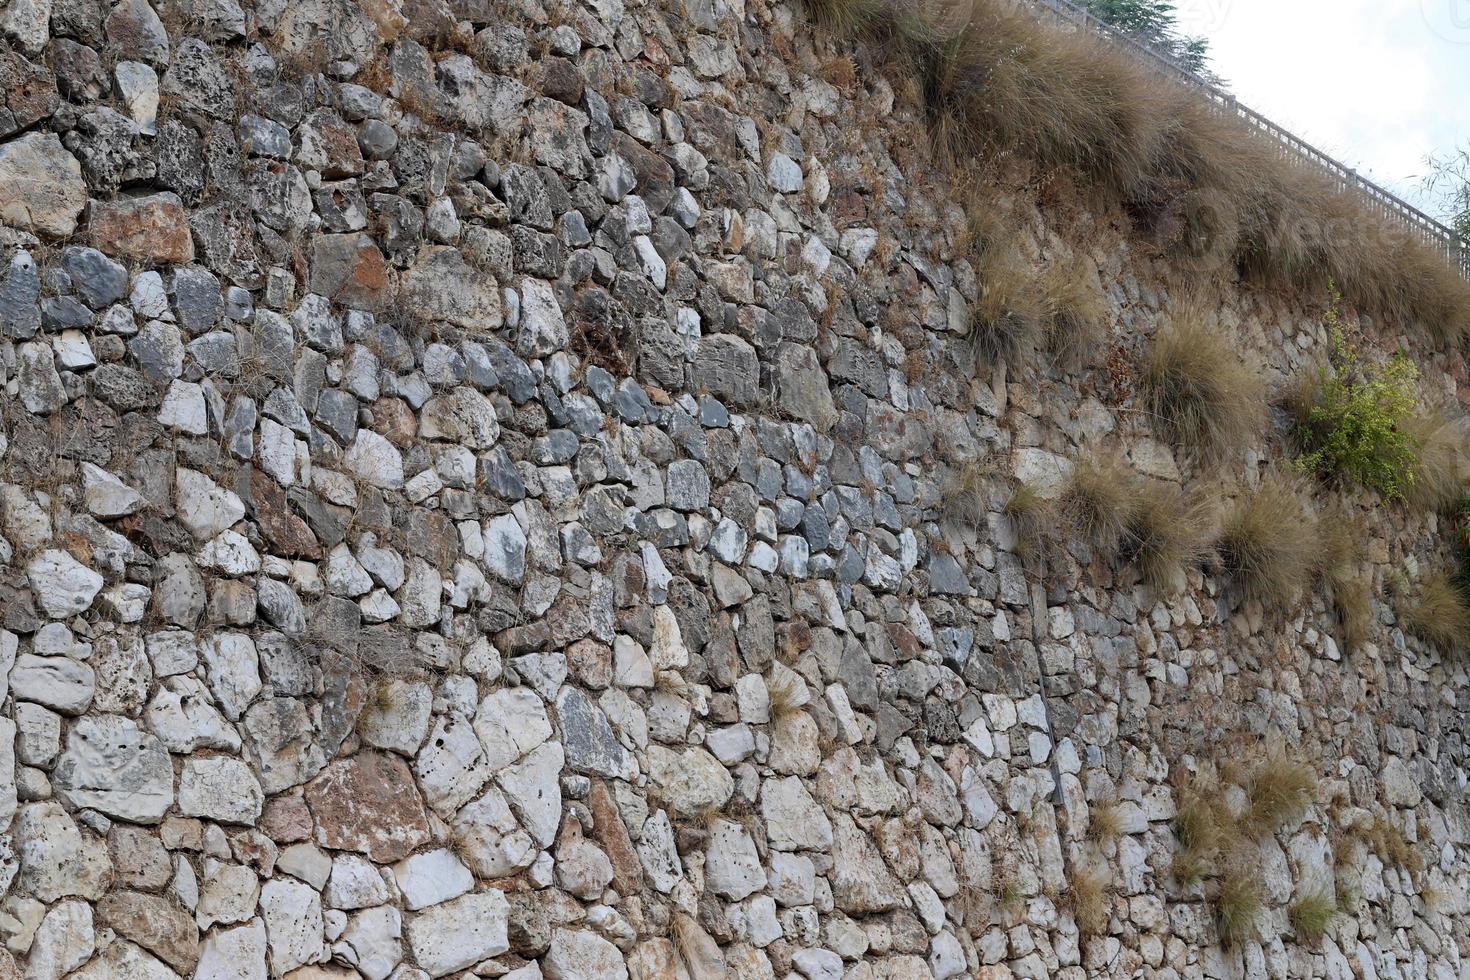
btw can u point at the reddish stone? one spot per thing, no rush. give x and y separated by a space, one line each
154 923
286 819
609 831
286 533
395 421
349 269
150 229
590 663
329 144
28 91
369 804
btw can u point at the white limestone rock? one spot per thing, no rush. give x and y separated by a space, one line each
293 923
233 667
457 934
203 506
432 877
113 766
105 495
63 586
220 788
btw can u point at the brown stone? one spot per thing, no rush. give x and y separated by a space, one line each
182 834
349 269
28 91
609 831
157 925
590 663
368 804
138 858
286 533
394 421
286 819
149 229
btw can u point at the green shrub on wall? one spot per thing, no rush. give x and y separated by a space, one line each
1354 421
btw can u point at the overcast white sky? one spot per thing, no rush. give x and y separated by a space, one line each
1376 83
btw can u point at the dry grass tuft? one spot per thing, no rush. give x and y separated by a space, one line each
1007 321
1437 612
1341 534
1074 315
1168 531
1091 904
1312 914
1099 502
1238 905
1436 485
1201 826
1200 390
1268 542
786 692
1104 822
1027 511
966 500
997 81
1389 843
1279 791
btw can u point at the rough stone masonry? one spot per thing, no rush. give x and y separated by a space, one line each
471 498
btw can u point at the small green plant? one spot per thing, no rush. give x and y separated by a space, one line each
1312 914
1353 421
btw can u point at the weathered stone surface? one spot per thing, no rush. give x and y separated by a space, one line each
459 933
205 508
692 780
368 804
293 924
56 858
153 923
41 186
220 789
111 765
63 585
442 286
145 229
349 269
577 954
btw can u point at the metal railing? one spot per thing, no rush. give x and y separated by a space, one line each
1387 204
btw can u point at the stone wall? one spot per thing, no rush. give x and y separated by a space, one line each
473 495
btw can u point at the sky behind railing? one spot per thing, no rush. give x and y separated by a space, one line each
1377 83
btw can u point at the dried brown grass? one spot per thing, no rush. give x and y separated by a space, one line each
1100 502
1199 389
1168 531
996 80
1268 542
1437 484
1438 612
